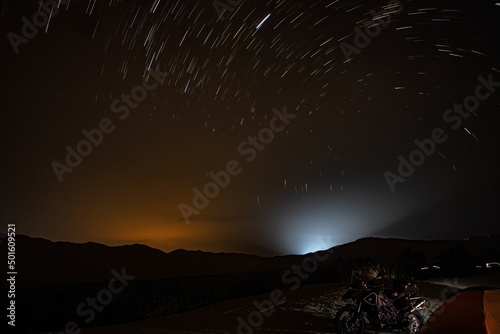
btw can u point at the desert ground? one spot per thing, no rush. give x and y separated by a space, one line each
309 309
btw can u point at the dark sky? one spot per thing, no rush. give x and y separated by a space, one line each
355 104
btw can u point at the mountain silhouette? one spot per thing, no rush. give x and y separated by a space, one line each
42 262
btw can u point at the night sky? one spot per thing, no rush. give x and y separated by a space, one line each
328 113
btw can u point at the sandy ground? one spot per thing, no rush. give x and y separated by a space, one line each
491 279
309 309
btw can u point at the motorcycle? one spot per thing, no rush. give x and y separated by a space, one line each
384 309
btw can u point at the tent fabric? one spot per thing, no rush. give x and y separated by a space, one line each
491 303
461 314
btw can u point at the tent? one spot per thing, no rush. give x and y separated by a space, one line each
469 312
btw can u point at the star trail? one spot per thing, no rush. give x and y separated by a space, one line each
365 79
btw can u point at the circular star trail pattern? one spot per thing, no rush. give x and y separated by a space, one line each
321 176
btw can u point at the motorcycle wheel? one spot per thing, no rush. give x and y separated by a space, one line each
347 321
416 323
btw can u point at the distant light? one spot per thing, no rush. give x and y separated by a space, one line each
315 224
314 243
262 22
437 267
492 264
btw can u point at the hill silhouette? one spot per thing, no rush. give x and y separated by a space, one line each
43 262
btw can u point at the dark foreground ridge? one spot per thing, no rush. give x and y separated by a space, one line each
58 282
